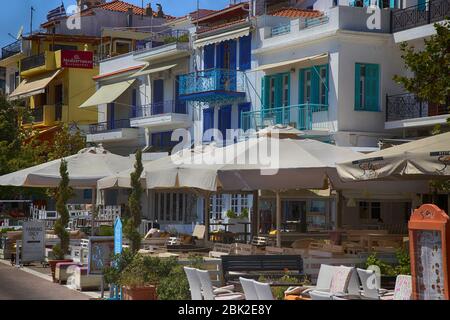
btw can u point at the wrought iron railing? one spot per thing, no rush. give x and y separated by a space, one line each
159 108
11 49
36 115
33 62
409 106
109 126
418 15
302 117
212 80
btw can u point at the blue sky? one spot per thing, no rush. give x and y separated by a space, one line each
17 12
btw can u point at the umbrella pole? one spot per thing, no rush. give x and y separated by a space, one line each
278 218
255 217
207 196
94 201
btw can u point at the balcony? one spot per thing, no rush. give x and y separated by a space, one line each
306 117
213 85
167 115
11 49
296 25
419 15
117 130
41 116
407 110
43 62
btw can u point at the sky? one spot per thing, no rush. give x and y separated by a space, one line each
17 12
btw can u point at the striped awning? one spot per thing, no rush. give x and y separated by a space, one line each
230 35
33 86
266 67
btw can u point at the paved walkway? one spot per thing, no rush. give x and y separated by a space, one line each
16 284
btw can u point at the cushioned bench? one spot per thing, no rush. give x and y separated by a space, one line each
83 281
61 274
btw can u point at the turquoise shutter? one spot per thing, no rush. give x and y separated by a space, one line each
265 92
372 83
366 3
315 82
327 82
278 90
392 4
357 86
301 89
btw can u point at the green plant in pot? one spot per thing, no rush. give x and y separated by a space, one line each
137 281
63 193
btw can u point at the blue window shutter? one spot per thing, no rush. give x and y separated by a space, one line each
158 96
422 5
372 87
301 90
245 54
224 120
180 106
134 104
327 66
392 4
357 86
111 116
278 90
315 82
208 120
243 107
232 47
219 55
209 55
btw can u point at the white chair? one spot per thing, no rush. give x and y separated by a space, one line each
324 278
248 285
369 283
320 295
344 281
208 289
263 291
402 291
194 283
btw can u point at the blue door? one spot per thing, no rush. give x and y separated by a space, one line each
111 116
245 53
243 107
158 96
134 104
208 56
180 106
208 121
224 120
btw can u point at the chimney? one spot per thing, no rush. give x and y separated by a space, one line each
130 17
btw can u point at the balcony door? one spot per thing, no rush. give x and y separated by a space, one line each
58 102
111 116
158 96
224 121
226 59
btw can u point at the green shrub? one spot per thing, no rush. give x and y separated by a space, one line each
175 286
106 231
403 266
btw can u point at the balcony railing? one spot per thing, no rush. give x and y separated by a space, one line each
12 49
33 62
302 117
280 30
415 16
212 80
160 108
36 115
409 106
109 126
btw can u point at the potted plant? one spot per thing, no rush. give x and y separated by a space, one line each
63 194
236 220
137 281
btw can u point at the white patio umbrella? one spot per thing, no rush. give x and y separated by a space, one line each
427 158
85 168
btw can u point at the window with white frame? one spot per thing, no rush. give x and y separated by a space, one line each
216 207
239 202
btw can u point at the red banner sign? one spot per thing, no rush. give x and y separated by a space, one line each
77 59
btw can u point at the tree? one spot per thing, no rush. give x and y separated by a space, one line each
133 222
430 67
66 143
64 193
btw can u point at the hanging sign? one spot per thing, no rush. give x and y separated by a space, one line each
77 59
33 241
429 237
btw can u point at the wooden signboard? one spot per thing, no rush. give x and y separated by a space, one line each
429 237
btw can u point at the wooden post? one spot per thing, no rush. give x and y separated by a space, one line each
340 203
207 214
278 218
255 218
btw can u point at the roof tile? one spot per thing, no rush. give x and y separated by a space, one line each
296 13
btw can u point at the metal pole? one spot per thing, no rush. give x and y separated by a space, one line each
207 214
31 20
94 201
278 218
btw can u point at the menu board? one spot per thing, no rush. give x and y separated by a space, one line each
101 251
428 265
33 241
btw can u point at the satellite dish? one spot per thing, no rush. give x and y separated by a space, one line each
20 33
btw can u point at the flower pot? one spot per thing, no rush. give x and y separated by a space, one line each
53 263
139 293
